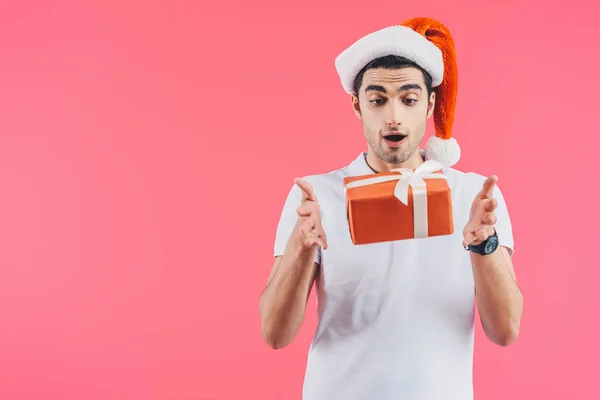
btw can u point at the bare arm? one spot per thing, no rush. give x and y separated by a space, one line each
283 302
499 299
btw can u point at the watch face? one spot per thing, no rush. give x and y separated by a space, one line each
491 245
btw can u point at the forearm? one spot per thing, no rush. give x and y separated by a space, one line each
283 302
499 299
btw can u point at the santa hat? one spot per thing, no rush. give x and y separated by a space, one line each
428 44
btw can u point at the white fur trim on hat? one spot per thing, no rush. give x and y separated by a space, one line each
444 151
394 40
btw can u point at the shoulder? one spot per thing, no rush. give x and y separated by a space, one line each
328 189
331 176
328 182
466 178
326 186
468 182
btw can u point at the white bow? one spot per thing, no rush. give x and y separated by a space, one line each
415 179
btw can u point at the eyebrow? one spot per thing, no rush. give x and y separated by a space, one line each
403 88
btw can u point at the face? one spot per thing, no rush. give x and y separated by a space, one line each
393 106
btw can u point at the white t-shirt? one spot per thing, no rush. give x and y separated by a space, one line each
396 319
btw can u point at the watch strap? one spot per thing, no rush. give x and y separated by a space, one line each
480 248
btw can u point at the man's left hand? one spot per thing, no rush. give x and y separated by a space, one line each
482 218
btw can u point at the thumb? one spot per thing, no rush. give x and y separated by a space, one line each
468 239
307 190
488 187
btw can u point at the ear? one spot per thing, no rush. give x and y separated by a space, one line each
431 105
356 106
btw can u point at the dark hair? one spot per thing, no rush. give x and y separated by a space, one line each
392 62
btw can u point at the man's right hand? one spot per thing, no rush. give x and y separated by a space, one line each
283 302
309 213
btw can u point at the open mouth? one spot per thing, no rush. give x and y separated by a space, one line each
394 138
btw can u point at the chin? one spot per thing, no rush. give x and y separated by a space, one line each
394 157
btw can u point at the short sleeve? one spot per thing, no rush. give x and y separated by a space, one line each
287 222
503 224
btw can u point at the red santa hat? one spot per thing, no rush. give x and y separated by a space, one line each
429 44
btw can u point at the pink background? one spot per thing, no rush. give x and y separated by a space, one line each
127 272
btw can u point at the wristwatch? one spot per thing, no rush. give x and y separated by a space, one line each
486 247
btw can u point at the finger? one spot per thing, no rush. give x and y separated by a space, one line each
307 226
481 234
310 240
307 190
469 239
488 219
315 235
318 229
488 187
484 232
313 239
491 204
322 236
322 240
305 210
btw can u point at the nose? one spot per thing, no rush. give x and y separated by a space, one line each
395 117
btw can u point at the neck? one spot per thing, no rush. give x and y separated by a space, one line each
378 165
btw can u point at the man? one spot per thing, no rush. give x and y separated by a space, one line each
396 319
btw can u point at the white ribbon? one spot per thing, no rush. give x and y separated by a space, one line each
415 179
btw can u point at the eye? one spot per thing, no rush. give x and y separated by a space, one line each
410 102
377 102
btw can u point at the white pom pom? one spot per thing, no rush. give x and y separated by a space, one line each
446 152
